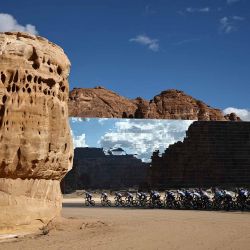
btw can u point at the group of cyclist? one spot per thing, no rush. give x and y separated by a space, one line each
177 199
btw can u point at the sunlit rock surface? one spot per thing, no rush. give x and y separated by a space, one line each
169 104
36 146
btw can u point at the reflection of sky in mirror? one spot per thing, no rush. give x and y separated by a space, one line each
136 136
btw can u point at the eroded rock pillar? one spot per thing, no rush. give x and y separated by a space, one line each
35 142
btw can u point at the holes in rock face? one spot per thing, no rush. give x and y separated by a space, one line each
11 78
63 88
3 78
124 115
2 110
4 99
49 147
36 65
48 62
59 70
19 165
29 78
34 57
50 82
50 70
9 88
35 79
29 90
34 163
39 132
24 90
39 80
65 146
16 77
70 158
13 87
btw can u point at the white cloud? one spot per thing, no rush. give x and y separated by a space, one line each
142 137
232 1
185 41
9 23
79 119
152 44
79 141
244 114
202 10
102 120
228 24
238 18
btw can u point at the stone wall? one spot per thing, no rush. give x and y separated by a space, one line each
212 154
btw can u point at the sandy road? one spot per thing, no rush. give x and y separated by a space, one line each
124 228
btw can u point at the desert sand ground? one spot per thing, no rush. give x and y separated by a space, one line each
128 228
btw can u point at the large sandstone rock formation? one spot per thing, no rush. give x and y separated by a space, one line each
170 104
99 102
212 154
36 147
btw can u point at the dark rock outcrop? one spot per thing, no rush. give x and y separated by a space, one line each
232 117
92 168
169 104
212 154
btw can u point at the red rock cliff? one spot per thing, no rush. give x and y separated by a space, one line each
169 104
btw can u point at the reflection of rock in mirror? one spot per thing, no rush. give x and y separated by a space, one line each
172 153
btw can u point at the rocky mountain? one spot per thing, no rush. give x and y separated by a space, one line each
169 104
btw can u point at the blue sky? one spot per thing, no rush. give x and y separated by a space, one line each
140 137
139 48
